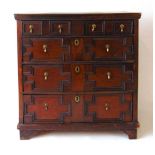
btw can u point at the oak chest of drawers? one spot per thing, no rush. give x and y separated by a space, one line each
77 72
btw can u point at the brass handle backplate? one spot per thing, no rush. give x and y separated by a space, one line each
77 99
77 69
31 28
107 46
76 42
93 27
45 48
60 28
45 75
45 106
122 27
108 75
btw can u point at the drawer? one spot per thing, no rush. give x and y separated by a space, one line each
60 27
77 77
32 28
86 49
77 108
94 28
44 49
77 49
119 27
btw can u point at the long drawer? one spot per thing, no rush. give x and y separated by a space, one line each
58 50
77 77
78 108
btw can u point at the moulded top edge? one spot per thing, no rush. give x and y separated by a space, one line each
77 16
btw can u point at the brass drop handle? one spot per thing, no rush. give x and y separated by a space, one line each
107 46
108 75
93 27
31 28
122 27
60 28
45 75
45 106
106 106
77 99
77 69
45 48
76 42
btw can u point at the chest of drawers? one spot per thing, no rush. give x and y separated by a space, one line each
77 72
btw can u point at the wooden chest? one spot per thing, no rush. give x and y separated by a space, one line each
77 72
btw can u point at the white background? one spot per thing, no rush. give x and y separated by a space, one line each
71 143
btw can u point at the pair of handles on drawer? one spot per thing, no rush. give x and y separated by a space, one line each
77 70
76 43
77 100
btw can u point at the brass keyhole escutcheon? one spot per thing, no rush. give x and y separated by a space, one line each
76 42
45 48
77 69
45 75
122 27
77 99
93 27
31 28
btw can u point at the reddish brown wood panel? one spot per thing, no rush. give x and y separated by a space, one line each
32 28
45 78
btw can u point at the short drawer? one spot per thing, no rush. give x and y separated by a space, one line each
32 28
94 28
60 28
77 108
118 27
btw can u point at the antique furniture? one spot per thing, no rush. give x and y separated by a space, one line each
77 72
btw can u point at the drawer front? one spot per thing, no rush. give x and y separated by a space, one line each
95 49
119 27
42 50
94 28
77 108
77 49
32 28
77 77
60 27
